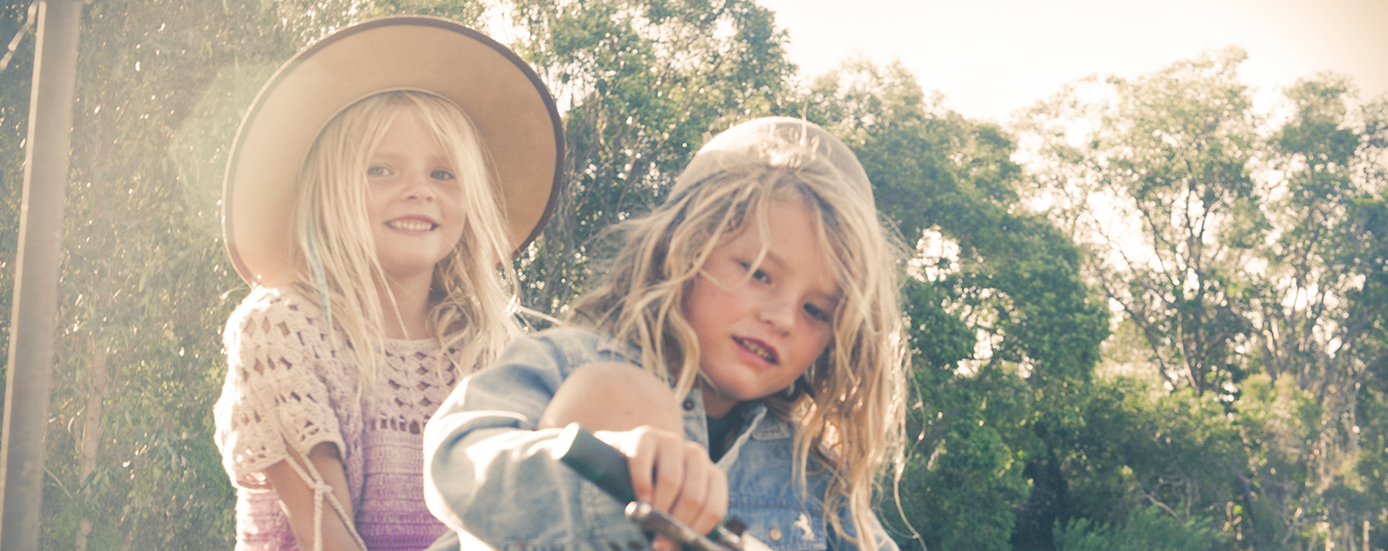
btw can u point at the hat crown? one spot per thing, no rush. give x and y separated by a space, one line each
776 142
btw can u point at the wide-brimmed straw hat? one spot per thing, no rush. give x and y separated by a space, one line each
519 126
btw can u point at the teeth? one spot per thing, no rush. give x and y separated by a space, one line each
410 225
758 349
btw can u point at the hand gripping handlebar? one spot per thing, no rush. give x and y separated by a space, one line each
606 467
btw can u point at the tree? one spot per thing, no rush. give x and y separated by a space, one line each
1253 293
1252 283
145 283
1319 313
146 286
15 21
1149 529
1170 151
1004 331
644 83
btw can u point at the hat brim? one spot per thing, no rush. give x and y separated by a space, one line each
515 115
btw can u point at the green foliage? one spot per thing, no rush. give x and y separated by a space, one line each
1319 351
145 286
1004 331
643 84
1240 403
970 485
14 112
1258 287
1149 529
1170 152
963 494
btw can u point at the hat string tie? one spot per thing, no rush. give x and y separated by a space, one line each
322 491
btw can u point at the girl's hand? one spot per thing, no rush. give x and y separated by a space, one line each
674 476
636 413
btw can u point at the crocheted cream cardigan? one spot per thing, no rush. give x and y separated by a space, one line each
290 384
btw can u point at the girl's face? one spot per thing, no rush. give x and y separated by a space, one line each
759 330
413 202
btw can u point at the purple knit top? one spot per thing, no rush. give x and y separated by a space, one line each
288 384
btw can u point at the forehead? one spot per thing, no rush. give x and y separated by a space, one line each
405 126
789 232
769 221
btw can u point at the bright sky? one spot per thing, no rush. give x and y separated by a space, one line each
991 57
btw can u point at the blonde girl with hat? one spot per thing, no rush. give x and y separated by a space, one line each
745 354
376 192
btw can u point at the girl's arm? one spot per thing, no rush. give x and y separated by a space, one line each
637 413
276 407
489 468
298 499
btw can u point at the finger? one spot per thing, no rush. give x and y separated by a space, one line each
669 473
662 543
689 505
641 455
715 501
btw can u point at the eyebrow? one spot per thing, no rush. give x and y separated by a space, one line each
771 258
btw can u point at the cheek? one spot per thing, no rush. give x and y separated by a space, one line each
454 207
373 207
689 304
460 221
702 306
816 346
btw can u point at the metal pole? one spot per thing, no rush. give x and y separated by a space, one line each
35 303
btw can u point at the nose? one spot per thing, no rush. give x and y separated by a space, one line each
778 312
419 186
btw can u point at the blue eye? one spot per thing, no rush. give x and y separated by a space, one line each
818 313
441 175
377 170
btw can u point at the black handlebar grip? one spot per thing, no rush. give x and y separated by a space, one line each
595 460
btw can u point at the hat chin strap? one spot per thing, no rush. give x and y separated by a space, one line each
318 274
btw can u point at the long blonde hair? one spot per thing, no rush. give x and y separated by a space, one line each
849 406
473 288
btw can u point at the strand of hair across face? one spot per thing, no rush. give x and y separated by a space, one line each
322 281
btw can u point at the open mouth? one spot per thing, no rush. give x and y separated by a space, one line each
756 347
411 225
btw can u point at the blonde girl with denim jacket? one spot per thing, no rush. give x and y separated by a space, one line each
762 295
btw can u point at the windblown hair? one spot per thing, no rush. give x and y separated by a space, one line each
473 287
849 405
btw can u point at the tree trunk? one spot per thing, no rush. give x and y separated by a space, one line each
91 429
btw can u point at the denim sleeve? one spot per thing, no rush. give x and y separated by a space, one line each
491 476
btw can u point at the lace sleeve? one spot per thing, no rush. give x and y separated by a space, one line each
281 379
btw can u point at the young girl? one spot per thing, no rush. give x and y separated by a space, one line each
373 200
760 302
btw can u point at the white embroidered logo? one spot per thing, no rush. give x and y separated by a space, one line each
804 524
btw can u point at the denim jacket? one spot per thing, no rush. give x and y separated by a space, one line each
490 476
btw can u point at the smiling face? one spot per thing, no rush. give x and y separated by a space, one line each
414 202
760 327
